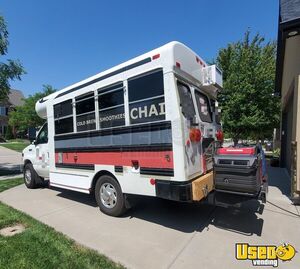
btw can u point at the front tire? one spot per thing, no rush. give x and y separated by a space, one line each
109 196
30 176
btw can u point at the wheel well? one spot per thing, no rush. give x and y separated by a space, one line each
26 162
98 175
23 167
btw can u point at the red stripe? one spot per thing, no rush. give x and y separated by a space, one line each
151 159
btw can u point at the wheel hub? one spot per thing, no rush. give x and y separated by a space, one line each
28 176
108 195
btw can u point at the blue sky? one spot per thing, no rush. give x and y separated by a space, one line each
62 42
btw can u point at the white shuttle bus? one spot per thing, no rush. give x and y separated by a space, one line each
144 127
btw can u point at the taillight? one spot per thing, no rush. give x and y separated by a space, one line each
220 135
178 64
195 135
152 181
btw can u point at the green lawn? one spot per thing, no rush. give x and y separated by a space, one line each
9 183
19 140
16 145
40 246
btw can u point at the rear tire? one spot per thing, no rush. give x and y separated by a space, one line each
30 176
109 196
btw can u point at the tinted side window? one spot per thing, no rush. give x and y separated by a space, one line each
111 106
85 103
203 107
85 112
111 96
186 101
146 97
112 117
146 86
63 109
146 111
86 122
63 117
64 125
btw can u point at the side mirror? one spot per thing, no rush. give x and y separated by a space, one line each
31 133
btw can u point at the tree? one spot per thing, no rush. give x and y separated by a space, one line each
11 70
249 107
9 133
25 116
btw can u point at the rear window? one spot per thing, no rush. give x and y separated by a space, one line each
186 101
203 107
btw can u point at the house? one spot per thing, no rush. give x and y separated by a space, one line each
15 98
288 87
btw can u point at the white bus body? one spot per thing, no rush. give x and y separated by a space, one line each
144 127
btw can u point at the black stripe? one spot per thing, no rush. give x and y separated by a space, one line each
123 69
76 166
128 148
157 171
119 169
120 130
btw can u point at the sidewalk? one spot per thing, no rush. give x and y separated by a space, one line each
163 234
10 161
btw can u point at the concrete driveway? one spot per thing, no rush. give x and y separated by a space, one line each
164 234
10 161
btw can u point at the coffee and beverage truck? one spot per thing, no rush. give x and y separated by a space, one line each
148 126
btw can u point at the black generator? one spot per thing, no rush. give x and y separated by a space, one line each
240 171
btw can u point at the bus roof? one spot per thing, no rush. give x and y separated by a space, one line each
167 56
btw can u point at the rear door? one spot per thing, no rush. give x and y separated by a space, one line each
207 128
191 132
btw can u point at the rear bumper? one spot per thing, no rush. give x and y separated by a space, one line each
177 191
194 190
201 189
